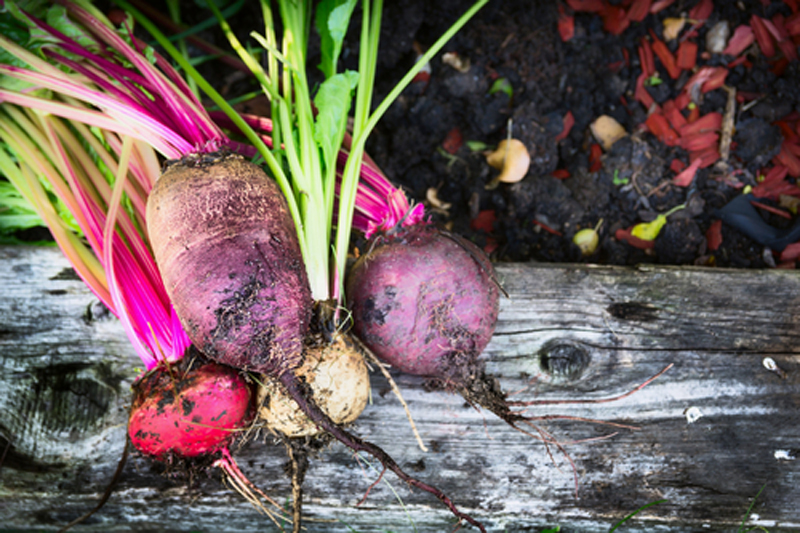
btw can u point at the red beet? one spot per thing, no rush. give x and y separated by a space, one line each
424 301
188 411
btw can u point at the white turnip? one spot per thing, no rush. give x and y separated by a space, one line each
339 381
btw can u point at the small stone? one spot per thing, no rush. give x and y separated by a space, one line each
717 37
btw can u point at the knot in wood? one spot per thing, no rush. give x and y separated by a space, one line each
564 359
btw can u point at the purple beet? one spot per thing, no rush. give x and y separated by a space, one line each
426 302
227 250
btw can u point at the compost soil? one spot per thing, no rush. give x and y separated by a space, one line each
432 140
511 72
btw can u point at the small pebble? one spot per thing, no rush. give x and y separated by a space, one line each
784 455
717 37
692 414
770 364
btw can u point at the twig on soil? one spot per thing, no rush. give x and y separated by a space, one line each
635 183
727 129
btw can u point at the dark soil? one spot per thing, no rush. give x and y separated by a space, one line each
425 143
536 218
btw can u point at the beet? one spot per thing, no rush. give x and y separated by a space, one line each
228 253
339 380
424 301
190 409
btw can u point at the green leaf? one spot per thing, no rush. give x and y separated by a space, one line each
637 511
653 80
17 31
57 18
15 25
502 85
477 146
37 8
332 20
32 37
617 180
750 511
333 102
15 212
13 29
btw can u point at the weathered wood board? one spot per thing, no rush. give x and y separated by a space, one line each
567 332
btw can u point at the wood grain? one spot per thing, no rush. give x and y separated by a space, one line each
567 332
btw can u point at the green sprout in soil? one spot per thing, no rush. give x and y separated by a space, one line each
654 80
502 85
619 181
477 146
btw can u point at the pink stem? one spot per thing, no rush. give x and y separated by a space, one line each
160 83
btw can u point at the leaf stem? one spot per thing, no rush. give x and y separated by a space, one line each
364 123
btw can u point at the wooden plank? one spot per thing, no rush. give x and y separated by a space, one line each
567 332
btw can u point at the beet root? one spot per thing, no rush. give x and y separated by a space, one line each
424 301
228 252
339 381
190 409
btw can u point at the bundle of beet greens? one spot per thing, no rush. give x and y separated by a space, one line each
240 266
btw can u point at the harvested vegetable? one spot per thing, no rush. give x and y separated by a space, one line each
425 302
339 380
228 253
194 408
